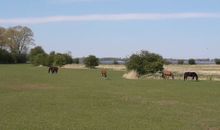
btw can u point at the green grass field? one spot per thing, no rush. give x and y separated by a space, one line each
31 99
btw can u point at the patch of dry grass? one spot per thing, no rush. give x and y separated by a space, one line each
205 72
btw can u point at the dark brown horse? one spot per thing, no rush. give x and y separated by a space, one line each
166 74
104 73
191 74
53 70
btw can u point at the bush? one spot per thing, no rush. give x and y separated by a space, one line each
40 59
76 61
180 62
21 58
5 57
68 59
145 63
115 62
192 62
59 60
217 61
91 61
34 52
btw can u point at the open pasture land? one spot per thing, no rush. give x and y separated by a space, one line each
78 99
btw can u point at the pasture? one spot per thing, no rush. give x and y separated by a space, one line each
78 99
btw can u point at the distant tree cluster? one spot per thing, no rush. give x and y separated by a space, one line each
180 62
91 61
14 44
39 57
192 61
217 61
145 62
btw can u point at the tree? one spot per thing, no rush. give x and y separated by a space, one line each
2 37
145 62
40 59
35 51
59 60
217 61
192 61
76 61
180 62
19 39
115 62
5 57
91 61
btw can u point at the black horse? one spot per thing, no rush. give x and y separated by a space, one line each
191 74
53 70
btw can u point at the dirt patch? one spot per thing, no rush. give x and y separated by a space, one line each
131 75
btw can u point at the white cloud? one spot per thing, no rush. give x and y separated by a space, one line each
71 1
112 17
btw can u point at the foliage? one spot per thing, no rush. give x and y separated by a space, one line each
5 57
76 61
59 60
167 62
192 61
19 39
217 61
40 59
115 62
91 61
180 62
16 41
35 51
145 62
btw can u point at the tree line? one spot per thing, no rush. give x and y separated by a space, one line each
15 44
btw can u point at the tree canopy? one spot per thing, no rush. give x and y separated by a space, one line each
145 62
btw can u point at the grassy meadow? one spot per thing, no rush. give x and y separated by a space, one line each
78 99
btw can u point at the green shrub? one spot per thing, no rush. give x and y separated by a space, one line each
217 61
33 54
59 60
5 57
76 61
192 62
40 59
115 62
91 61
145 63
180 62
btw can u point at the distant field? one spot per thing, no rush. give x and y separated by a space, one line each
78 99
205 72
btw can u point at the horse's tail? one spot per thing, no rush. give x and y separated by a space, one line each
163 76
172 75
185 76
49 70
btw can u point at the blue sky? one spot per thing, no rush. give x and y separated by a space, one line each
118 28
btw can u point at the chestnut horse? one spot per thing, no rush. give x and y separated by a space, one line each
53 70
168 74
104 73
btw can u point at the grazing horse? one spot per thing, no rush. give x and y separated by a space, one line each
104 73
191 74
166 74
53 70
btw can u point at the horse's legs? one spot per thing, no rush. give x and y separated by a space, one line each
185 78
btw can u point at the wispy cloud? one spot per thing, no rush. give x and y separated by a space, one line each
71 1
112 17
